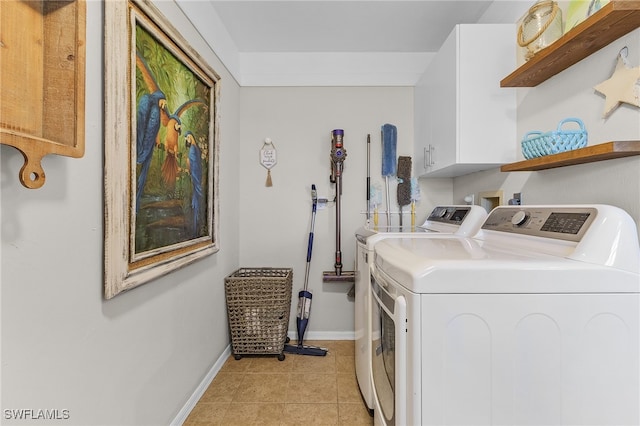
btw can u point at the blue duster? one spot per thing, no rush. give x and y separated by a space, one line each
389 142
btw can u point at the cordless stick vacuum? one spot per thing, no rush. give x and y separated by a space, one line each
304 297
338 155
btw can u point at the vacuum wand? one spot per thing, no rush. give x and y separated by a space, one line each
338 155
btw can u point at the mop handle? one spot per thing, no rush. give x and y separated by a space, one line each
309 246
314 198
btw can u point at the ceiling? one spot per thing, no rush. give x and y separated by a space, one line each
294 42
344 26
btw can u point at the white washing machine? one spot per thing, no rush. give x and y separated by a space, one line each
534 321
461 220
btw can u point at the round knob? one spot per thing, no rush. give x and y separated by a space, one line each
519 218
441 212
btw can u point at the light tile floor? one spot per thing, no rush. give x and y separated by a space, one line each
301 390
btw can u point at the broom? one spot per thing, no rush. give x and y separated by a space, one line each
404 183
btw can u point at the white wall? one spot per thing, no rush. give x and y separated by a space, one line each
137 358
571 94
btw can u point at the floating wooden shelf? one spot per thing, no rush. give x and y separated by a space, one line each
42 81
615 19
589 154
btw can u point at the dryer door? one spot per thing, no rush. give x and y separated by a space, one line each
388 316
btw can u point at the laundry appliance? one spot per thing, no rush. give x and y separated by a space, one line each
464 220
534 320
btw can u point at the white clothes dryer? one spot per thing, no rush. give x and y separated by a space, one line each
463 220
535 320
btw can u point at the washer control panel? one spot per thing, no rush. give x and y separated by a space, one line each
562 223
451 214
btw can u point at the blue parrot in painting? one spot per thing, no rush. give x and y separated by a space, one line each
195 171
149 117
152 112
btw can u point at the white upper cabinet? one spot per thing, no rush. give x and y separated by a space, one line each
464 121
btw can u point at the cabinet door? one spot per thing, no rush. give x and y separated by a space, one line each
435 110
422 125
465 122
486 125
443 104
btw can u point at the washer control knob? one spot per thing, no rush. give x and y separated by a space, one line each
520 218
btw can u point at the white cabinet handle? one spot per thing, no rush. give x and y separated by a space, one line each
425 157
428 156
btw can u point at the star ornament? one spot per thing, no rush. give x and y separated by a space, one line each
622 87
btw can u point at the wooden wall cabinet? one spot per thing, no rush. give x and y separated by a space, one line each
42 81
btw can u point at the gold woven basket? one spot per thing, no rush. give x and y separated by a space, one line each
258 307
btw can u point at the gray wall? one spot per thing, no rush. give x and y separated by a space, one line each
275 220
137 358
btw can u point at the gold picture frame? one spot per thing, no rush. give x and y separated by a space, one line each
161 148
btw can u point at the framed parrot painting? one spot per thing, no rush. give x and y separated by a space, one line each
161 148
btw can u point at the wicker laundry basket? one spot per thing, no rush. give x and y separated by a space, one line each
258 307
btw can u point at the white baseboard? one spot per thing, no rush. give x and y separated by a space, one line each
202 387
211 374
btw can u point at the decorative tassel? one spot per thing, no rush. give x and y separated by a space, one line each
269 183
